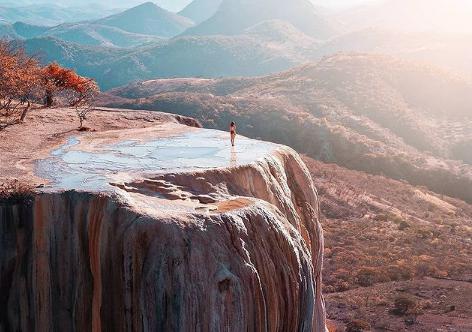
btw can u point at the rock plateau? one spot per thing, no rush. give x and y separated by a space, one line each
146 223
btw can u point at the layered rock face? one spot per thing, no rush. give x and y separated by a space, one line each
235 248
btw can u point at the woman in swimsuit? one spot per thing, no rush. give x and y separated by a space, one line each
232 130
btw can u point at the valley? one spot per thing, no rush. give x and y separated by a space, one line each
399 241
161 43
365 119
345 205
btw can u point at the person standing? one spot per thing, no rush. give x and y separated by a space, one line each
232 130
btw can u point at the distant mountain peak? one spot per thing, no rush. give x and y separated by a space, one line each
201 10
150 19
145 6
234 16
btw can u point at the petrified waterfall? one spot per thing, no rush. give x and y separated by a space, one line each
133 258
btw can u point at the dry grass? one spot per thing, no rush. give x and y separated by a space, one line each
380 231
427 305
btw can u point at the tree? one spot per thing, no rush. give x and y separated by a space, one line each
56 80
81 96
23 82
20 77
77 91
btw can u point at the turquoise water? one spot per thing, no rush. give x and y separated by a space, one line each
71 168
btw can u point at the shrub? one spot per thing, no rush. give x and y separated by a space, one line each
396 273
367 277
357 326
15 190
404 305
402 224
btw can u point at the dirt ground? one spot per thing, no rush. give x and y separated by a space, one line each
44 129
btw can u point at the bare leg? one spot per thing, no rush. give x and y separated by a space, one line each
233 136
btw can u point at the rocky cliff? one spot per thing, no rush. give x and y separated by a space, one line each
162 228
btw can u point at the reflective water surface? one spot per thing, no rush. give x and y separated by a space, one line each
70 167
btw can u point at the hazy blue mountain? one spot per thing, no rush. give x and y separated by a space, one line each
26 30
88 34
201 10
286 38
173 5
133 27
50 14
280 32
205 56
7 31
233 16
99 35
148 19
87 60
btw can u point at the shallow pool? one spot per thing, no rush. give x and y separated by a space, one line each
69 167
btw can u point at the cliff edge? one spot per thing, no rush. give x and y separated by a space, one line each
150 224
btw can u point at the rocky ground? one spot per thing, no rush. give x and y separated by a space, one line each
389 244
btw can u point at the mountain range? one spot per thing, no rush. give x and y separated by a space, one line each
205 56
238 39
234 16
200 10
446 50
52 14
148 19
133 27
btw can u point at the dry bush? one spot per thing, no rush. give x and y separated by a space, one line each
357 326
369 276
14 190
396 273
404 305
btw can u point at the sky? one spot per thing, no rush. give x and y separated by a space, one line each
337 4
173 5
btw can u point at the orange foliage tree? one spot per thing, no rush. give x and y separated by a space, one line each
20 77
77 91
81 96
24 82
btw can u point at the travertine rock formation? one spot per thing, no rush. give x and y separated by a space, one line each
234 245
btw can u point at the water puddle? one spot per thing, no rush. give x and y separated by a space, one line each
71 167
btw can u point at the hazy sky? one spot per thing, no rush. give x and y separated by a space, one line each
340 3
173 5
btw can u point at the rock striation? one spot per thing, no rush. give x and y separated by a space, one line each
197 236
